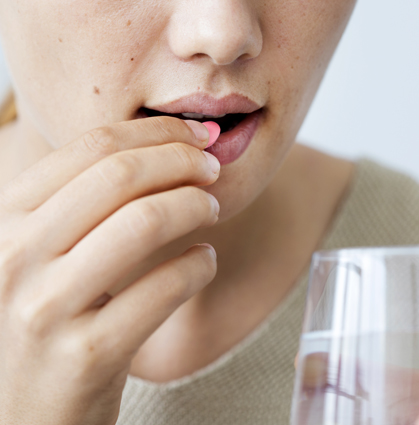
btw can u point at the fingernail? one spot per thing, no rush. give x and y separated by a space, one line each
201 132
213 161
215 202
214 253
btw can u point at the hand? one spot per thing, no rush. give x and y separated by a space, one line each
71 227
377 388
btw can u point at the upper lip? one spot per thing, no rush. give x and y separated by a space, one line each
202 103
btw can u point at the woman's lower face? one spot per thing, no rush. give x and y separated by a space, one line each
253 66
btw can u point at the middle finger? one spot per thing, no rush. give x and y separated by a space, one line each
115 181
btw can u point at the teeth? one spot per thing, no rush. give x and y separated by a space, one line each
200 116
192 115
215 116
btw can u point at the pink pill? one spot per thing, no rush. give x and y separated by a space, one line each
214 131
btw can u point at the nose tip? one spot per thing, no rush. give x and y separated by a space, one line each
225 48
223 30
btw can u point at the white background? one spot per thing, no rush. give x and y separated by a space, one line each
368 103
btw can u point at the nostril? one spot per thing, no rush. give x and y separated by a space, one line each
215 32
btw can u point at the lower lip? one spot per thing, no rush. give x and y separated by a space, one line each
232 144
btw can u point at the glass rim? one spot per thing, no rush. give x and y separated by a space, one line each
374 251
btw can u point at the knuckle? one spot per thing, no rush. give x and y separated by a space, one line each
11 263
5 198
101 141
117 170
83 352
33 317
10 256
145 220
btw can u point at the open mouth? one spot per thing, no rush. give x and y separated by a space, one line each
226 122
237 129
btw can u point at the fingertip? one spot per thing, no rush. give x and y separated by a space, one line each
211 249
201 132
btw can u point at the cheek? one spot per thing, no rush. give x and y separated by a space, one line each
303 34
75 35
301 37
299 40
62 56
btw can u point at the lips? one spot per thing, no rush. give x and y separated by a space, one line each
232 144
202 103
239 120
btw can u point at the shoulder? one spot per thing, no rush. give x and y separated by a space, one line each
381 208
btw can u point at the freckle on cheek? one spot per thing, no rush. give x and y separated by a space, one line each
60 40
132 59
96 90
128 23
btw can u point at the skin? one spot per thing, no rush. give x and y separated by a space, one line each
93 64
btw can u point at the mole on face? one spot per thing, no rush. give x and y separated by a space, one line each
96 90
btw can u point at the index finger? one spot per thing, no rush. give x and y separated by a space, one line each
38 183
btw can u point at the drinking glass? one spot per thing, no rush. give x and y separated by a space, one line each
359 350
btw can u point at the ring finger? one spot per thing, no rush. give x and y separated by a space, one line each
130 235
151 299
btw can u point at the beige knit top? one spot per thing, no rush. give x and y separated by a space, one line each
252 383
